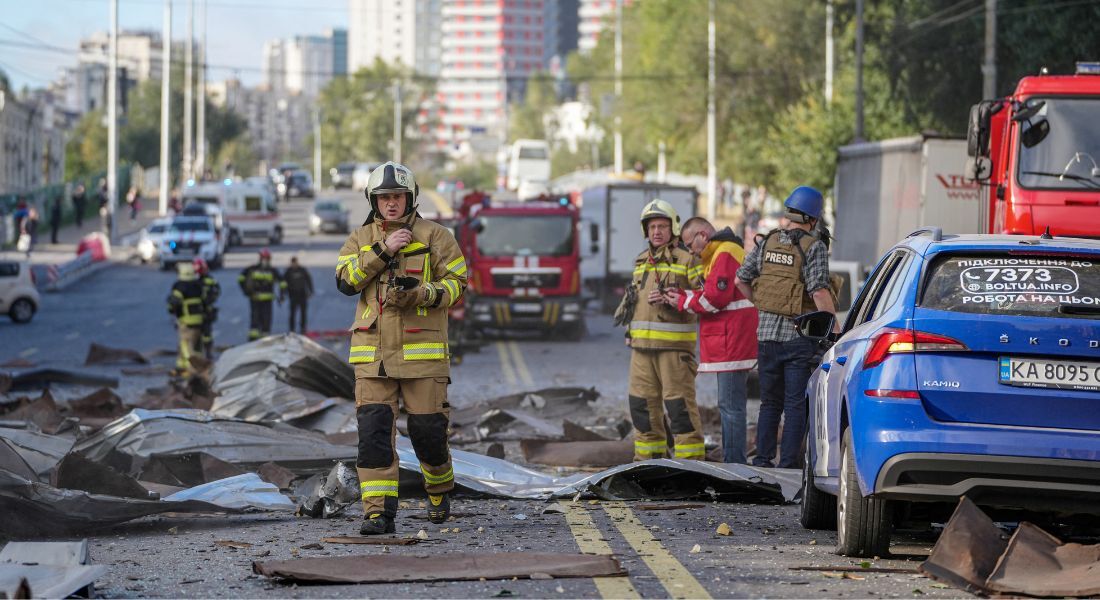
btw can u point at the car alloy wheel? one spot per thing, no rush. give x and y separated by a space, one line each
21 310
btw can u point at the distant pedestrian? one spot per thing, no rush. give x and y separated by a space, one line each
19 214
55 219
104 207
133 200
299 286
727 326
28 233
80 198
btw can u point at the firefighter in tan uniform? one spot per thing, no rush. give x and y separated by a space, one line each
662 363
406 271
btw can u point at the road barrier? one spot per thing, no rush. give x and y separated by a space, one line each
58 277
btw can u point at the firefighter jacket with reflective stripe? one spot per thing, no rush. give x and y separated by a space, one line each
660 326
388 341
727 320
259 282
185 302
779 289
211 291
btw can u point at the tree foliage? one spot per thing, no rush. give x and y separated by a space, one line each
357 114
533 118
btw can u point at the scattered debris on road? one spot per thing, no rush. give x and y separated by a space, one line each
105 355
47 570
457 567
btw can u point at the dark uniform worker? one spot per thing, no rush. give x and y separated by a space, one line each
211 291
662 339
299 287
185 303
786 275
259 282
406 271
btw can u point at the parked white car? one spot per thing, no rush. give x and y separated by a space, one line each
18 296
148 245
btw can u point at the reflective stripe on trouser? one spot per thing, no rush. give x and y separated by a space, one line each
260 319
669 332
376 406
662 383
190 345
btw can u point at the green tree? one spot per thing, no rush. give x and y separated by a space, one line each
357 113
86 150
528 120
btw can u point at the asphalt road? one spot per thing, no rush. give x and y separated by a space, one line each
123 306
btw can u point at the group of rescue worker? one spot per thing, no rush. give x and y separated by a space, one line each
195 293
693 284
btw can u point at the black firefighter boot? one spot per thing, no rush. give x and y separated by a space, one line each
377 523
439 508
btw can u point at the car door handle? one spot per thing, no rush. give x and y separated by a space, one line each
825 367
841 360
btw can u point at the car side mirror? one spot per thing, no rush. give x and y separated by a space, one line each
817 325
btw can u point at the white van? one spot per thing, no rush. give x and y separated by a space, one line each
249 209
528 160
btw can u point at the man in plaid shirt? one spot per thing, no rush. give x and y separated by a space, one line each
785 275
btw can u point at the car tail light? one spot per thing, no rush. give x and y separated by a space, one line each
910 394
898 341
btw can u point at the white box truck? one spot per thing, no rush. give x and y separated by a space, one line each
886 190
611 234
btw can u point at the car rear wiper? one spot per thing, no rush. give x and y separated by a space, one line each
1077 309
1078 178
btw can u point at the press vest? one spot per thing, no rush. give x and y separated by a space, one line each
780 289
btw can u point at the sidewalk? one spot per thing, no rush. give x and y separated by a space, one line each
69 236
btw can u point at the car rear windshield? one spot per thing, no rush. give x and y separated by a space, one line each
1048 285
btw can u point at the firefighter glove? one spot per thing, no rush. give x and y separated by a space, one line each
402 298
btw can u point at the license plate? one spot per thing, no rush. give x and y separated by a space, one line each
527 307
1040 373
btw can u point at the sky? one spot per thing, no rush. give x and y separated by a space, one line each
237 30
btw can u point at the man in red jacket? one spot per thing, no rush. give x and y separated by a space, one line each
727 325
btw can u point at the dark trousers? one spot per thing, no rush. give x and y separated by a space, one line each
261 319
54 226
785 369
298 305
78 211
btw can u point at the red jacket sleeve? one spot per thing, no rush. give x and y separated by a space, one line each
718 290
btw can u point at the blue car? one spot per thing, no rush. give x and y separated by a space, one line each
969 365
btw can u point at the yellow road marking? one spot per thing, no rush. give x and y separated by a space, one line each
28 352
521 365
678 581
506 365
588 541
440 203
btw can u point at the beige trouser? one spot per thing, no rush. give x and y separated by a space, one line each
664 381
190 345
376 410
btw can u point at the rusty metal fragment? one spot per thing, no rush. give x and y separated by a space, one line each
1039 564
456 567
967 551
103 355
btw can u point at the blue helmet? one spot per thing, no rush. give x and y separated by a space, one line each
806 200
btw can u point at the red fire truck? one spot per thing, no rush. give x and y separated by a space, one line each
523 263
1037 154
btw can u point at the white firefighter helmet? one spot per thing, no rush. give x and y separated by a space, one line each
392 177
659 209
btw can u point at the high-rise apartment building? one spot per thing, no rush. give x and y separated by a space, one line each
489 50
304 64
83 87
592 15
395 31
